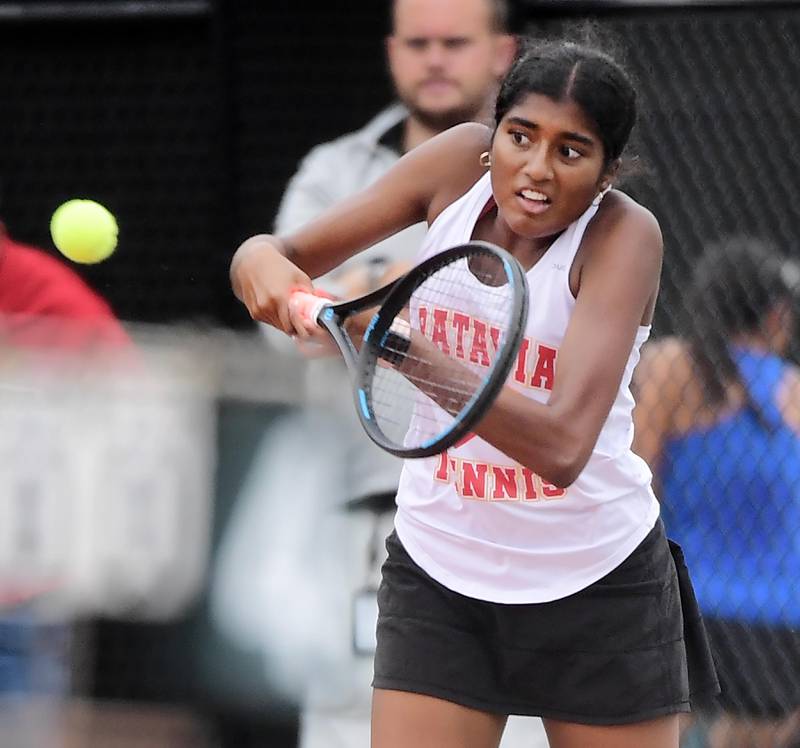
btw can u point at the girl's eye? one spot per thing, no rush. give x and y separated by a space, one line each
519 138
570 153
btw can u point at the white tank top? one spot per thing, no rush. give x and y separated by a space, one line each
486 527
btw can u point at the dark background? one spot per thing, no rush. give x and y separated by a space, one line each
188 122
187 118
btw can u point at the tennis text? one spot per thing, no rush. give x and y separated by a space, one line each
486 482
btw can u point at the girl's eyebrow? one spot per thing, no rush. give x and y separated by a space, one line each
576 136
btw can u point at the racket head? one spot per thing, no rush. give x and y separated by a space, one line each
468 306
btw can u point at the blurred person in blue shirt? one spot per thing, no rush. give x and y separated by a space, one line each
718 420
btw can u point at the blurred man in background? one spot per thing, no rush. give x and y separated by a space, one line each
445 58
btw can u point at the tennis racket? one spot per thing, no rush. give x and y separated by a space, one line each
429 352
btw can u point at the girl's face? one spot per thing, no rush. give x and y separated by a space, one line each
547 166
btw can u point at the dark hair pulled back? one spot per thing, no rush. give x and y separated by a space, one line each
574 71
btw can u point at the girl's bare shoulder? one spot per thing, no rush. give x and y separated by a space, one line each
458 162
620 212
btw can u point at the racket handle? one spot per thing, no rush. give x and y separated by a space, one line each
307 305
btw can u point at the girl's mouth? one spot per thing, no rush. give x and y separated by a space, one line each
534 201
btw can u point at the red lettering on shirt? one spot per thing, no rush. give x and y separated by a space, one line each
479 480
545 370
530 479
444 467
479 353
552 492
461 325
522 357
506 485
439 331
468 338
473 479
423 320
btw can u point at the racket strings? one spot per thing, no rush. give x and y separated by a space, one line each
459 318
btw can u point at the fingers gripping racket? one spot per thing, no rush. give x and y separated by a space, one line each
429 362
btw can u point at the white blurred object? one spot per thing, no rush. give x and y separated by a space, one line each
107 474
279 574
288 566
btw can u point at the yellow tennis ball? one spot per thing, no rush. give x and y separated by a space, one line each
84 231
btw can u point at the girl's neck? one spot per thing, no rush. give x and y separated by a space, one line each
489 227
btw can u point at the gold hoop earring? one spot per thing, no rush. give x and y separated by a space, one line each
485 159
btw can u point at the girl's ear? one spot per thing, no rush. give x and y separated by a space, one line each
610 174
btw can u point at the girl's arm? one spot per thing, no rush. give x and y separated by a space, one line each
618 284
265 268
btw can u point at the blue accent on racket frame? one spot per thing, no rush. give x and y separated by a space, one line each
362 399
370 327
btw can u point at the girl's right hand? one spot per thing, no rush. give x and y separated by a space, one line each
263 279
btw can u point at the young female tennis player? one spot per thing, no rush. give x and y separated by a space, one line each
528 572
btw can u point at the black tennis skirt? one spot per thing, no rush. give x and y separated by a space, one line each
630 647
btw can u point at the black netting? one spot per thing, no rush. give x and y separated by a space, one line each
719 107
127 114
